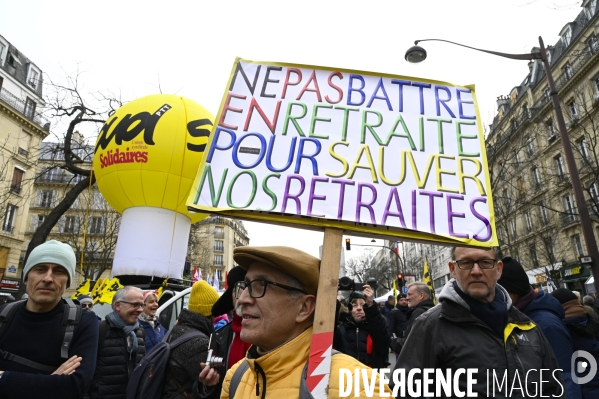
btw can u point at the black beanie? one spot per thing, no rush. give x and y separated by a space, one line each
225 302
513 277
564 295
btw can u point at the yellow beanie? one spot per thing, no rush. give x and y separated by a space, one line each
202 298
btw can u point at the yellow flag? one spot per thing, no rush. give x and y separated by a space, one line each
96 291
428 280
394 289
109 289
83 289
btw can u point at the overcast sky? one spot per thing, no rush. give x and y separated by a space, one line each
188 47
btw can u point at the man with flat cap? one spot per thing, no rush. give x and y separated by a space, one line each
277 299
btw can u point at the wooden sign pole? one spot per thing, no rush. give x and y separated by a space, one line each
319 363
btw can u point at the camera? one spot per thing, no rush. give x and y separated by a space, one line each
348 284
214 361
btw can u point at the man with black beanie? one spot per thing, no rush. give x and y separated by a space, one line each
546 312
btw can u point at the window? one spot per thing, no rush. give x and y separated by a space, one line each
593 44
536 177
71 224
568 205
533 255
219 232
218 260
516 158
33 78
589 8
29 108
9 218
218 219
528 217
596 83
544 216
548 242
573 109
583 148
95 225
550 130
577 244
506 198
99 202
24 141
594 191
568 71
559 166
53 175
526 111
46 198
218 245
17 180
566 35
2 48
513 229
36 222
530 145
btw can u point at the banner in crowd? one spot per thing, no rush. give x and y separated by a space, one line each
365 152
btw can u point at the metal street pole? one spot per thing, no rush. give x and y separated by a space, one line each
417 54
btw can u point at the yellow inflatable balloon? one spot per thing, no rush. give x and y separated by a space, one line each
148 153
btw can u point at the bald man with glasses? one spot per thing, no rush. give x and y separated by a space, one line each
121 347
477 327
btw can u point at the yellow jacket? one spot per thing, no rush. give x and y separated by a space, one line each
283 369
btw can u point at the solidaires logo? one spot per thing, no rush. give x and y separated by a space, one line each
589 364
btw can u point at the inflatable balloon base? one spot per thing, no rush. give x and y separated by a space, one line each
153 242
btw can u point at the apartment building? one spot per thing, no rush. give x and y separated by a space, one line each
22 128
536 216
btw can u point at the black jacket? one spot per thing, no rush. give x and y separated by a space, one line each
450 337
398 321
411 315
184 361
353 336
115 365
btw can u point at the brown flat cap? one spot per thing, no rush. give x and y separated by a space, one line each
296 263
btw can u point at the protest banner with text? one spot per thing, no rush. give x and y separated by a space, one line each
365 152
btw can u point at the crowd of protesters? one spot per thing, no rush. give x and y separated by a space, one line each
489 318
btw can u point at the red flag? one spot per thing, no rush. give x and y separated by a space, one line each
226 280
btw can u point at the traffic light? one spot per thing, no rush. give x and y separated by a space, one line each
399 280
347 244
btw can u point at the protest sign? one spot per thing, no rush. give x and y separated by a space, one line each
359 151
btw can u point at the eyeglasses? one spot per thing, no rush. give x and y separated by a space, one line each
258 288
134 304
469 264
87 305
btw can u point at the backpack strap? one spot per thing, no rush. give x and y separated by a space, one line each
236 379
26 362
103 333
186 337
7 314
70 318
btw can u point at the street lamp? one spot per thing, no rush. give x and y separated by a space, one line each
417 54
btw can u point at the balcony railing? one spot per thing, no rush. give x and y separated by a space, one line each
567 219
219 235
8 229
16 189
219 249
19 105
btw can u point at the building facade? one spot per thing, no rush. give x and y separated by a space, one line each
22 128
211 245
90 226
536 216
